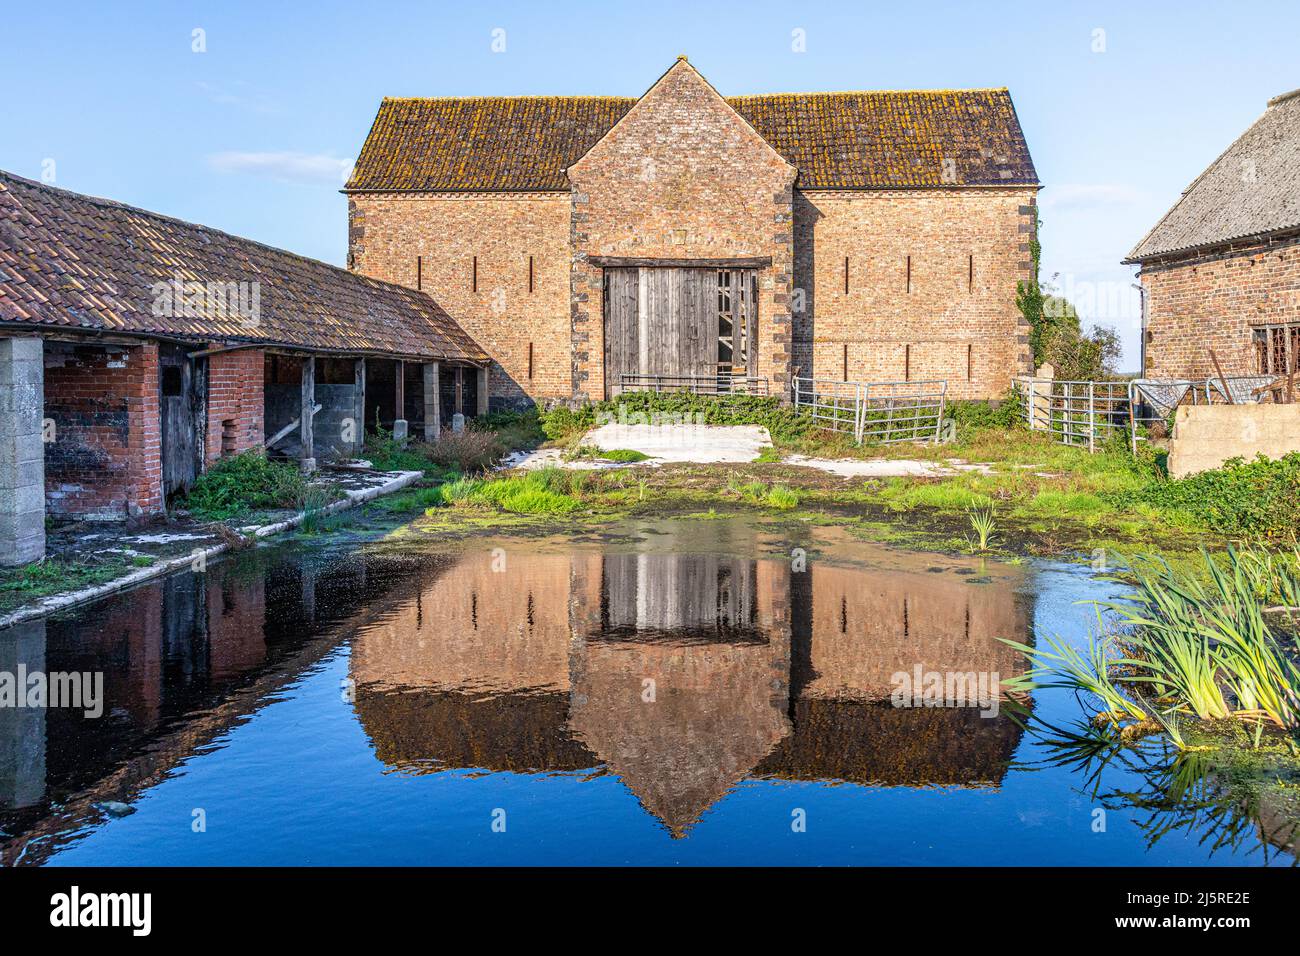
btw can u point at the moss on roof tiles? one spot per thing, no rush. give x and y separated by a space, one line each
855 140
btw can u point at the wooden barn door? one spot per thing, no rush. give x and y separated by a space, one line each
660 321
622 347
181 407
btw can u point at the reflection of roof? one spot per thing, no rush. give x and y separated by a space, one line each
879 744
713 714
430 731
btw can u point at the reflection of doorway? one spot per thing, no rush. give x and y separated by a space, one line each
700 597
668 322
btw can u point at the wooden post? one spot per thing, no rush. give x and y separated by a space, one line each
359 406
308 456
1227 392
432 413
399 400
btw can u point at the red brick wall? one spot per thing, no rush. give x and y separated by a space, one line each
955 320
1212 302
448 232
235 394
105 460
682 176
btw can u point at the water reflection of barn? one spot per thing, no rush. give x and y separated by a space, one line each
576 661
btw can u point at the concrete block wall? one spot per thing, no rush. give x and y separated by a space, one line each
1206 436
22 475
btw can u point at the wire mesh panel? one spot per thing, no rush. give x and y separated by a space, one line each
874 412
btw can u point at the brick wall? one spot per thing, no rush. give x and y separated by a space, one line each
105 460
956 318
1212 301
235 403
448 231
681 176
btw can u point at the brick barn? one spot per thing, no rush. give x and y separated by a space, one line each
136 350
592 242
1221 269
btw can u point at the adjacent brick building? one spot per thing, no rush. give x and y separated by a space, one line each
859 236
1221 270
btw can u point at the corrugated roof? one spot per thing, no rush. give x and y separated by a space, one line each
1252 190
79 262
864 140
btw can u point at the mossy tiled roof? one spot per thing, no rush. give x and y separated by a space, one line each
865 140
82 263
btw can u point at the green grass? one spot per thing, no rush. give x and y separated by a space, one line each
622 455
591 452
547 491
53 576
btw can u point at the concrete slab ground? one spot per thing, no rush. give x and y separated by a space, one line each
886 467
725 444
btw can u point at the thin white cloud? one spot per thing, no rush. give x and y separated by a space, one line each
310 169
240 95
1089 196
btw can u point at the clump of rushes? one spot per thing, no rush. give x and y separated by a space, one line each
757 493
1219 645
982 523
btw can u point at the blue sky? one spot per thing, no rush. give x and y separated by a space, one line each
253 135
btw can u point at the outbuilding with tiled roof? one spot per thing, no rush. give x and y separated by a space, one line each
137 349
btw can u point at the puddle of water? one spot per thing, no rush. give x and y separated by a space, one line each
676 692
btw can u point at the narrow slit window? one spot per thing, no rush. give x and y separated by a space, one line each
970 362
530 361
970 274
473 276
846 361
909 273
907 363
846 275
419 272
530 279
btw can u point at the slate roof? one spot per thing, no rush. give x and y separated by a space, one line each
1251 191
865 140
81 263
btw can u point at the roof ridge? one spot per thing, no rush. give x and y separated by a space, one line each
497 96
739 96
936 91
